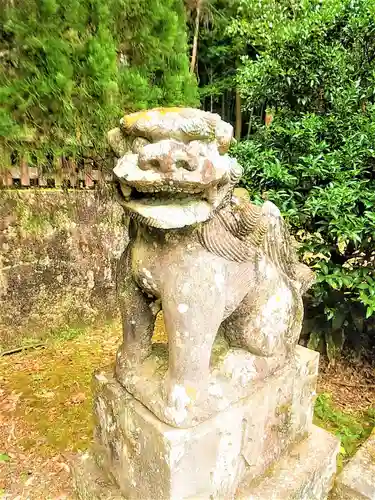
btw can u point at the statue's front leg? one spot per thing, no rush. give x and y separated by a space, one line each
137 319
193 307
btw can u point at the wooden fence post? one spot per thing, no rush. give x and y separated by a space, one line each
24 170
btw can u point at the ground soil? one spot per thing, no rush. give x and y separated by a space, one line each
350 382
45 407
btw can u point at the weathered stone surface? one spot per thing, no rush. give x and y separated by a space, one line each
262 448
182 124
215 263
307 363
357 480
58 255
305 473
89 481
229 406
235 374
150 459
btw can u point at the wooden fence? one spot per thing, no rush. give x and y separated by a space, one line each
67 174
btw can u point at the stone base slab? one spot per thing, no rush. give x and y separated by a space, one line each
149 459
234 374
357 479
89 481
306 472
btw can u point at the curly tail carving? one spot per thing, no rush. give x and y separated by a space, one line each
279 246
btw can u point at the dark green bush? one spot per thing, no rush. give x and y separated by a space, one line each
316 160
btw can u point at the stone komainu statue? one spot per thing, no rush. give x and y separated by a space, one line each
214 263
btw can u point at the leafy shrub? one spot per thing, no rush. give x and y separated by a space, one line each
70 68
316 161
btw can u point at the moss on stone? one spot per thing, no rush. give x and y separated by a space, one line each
353 428
59 253
160 335
284 409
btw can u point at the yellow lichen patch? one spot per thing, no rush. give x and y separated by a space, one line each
164 111
242 194
160 335
54 407
129 120
191 392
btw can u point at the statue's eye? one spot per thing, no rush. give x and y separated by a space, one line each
154 162
186 165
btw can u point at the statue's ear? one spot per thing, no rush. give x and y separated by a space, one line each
118 142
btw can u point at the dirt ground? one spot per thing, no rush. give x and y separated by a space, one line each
45 407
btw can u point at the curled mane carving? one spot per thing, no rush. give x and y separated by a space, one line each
242 229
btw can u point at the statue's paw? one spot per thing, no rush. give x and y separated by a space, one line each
127 361
178 399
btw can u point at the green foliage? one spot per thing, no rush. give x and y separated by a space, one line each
314 67
67 333
4 457
71 68
218 56
351 429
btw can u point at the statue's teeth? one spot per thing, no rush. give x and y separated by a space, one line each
126 190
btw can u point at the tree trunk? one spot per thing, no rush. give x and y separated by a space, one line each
250 121
194 53
238 116
211 96
269 117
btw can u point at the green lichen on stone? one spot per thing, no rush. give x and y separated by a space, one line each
284 409
268 473
371 454
59 252
36 211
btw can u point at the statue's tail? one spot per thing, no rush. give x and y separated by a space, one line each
280 247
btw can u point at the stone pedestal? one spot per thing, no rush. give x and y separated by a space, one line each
262 447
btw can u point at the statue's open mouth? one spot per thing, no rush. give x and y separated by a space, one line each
170 205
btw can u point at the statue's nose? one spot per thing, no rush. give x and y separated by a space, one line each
168 163
159 163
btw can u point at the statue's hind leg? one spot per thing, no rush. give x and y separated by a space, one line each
268 320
